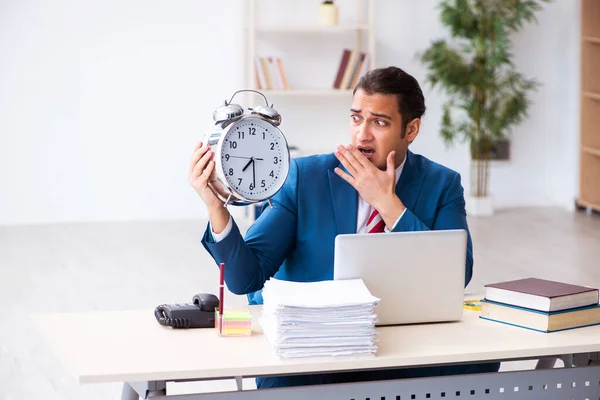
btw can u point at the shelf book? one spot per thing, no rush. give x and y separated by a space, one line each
270 74
353 65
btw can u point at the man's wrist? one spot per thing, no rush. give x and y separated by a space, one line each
390 208
219 217
217 237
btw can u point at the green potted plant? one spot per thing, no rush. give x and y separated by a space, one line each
487 96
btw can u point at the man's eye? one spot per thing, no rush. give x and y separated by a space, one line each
355 118
379 122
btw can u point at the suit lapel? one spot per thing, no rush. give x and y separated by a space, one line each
345 202
410 182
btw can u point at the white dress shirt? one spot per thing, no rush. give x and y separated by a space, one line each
365 209
363 213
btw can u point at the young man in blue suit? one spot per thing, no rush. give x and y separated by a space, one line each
327 195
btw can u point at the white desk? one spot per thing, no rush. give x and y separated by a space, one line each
133 347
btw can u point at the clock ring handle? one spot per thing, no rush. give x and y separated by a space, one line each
249 90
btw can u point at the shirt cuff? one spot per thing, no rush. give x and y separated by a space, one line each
395 223
220 236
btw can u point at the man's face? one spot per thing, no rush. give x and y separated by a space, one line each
376 127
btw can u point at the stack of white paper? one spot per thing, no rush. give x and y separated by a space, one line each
316 319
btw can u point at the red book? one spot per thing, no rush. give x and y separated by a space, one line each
542 295
342 68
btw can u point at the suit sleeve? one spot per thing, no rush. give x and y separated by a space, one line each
450 214
250 261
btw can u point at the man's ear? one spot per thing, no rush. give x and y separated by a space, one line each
412 129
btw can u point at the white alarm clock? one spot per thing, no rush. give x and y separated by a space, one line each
251 154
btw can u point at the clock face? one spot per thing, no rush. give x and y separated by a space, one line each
255 158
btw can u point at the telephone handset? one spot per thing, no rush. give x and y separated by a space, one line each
200 313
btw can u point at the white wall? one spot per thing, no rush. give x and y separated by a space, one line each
102 102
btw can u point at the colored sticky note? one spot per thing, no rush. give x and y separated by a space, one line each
234 323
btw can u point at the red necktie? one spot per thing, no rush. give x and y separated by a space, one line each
375 223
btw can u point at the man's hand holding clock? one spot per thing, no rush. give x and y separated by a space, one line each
203 179
239 140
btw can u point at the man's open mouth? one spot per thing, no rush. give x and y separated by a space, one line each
367 151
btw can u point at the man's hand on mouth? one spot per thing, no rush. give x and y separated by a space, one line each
375 186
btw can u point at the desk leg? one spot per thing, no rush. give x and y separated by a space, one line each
546 363
145 390
580 360
129 393
570 360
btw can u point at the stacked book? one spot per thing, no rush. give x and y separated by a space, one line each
319 319
541 305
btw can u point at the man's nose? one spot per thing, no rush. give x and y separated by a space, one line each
363 134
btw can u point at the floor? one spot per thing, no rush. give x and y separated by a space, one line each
138 265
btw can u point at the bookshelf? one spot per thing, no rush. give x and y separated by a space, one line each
589 168
294 26
356 21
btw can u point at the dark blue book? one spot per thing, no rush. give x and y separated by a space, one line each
539 320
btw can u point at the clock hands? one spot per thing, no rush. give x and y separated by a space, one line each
247 158
247 165
252 159
253 174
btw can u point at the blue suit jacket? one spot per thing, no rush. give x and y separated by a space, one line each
295 239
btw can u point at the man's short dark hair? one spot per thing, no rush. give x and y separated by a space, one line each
393 80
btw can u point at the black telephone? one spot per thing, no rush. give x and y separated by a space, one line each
200 313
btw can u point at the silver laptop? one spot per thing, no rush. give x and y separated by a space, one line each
419 276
